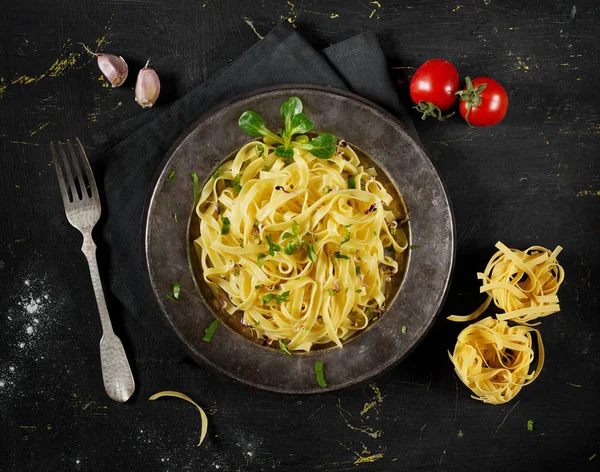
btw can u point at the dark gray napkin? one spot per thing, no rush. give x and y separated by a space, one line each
137 146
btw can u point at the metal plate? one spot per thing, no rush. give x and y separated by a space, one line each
170 256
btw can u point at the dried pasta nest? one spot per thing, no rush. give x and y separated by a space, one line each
524 284
494 359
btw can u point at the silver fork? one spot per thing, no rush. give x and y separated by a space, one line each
82 206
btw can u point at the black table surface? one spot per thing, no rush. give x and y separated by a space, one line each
532 180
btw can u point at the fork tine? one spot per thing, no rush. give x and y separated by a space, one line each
70 182
75 163
60 175
88 170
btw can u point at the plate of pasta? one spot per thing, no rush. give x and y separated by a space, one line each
299 240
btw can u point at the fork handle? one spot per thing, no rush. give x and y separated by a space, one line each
116 372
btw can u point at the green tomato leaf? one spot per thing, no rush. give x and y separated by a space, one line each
253 124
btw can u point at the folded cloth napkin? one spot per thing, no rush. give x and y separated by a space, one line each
137 146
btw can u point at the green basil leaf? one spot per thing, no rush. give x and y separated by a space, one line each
283 297
171 177
300 125
267 298
295 228
273 247
260 150
288 111
323 146
320 374
337 255
210 331
351 182
357 270
283 152
217 173
287 235
253 124
260 259
404 329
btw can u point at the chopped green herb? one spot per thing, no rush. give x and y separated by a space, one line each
273 247
347 238
175 217
194 177
236 184
283 297
351 182
320 374
332 292
357 270
375 233
260 150
413 246
346 290
260 259
530 425
171 177
337 255
283 345
210 331
592 457
257 287
404 329
310 251
217 173
359 290
295 241
176 291
403 221
226 225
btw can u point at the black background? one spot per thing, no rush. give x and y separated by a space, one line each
532 180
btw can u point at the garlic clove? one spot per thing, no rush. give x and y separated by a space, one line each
147 87
114 68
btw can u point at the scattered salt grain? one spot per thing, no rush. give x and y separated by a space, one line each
11 368
30 329
32 306
21 345
27 283
2 383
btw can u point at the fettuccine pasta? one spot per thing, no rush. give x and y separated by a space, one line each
493 359
297 245
524 284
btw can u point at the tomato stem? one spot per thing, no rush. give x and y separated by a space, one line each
429 109
471 95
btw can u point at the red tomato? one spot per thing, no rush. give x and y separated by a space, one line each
433 87
483 102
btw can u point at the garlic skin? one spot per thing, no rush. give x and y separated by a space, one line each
114 68
147 87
